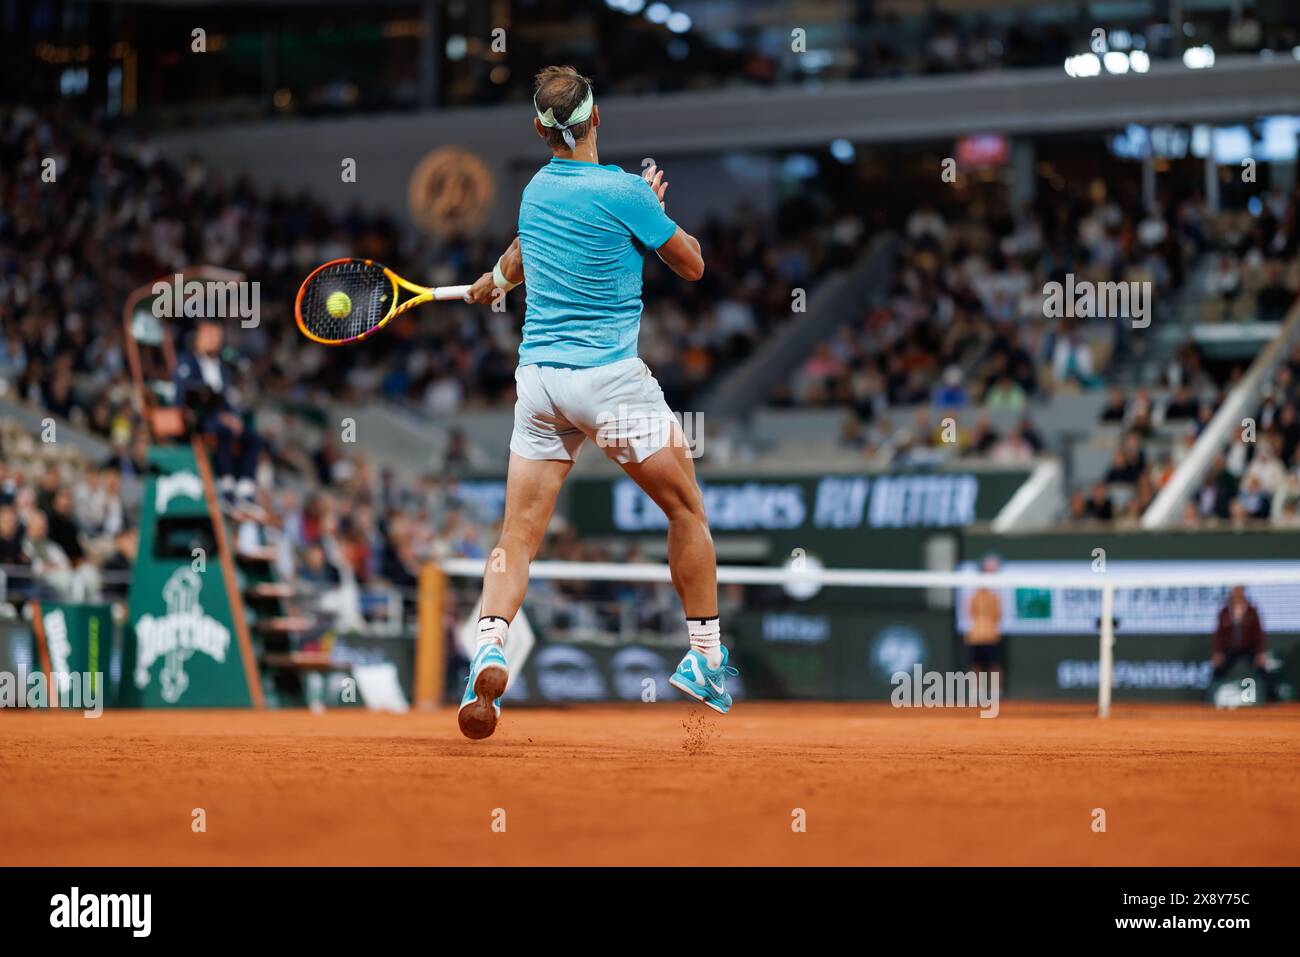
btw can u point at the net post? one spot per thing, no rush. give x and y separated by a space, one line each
430 644
1107 652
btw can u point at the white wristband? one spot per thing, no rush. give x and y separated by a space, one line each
499 278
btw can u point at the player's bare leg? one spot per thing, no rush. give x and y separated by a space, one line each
668 477
532 487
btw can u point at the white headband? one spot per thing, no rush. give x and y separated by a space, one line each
580 114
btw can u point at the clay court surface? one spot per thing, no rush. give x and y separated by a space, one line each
654 784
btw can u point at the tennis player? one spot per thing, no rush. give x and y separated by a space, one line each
584 230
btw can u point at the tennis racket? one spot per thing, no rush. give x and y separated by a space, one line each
347 300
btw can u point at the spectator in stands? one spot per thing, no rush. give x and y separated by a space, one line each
203 386
983 437
11 538
1239 636
1274 298
1116 405
315 569
120 563
1224 281
1100 507
63 528
1255 502
1005 393
951 392
1013 447
1218 489
1129 462
1072 360
51 565
1182 404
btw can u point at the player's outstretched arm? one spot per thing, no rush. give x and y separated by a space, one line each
682 255
511 269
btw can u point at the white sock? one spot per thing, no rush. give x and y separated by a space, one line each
246 489
705 638
492 631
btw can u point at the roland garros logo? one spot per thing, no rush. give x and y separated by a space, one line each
177 635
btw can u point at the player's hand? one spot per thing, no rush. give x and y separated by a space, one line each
484 290
655 177
1261 659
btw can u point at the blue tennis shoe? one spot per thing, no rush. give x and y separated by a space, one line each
481 706
706 685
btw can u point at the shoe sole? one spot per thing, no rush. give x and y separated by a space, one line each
478 718
686 689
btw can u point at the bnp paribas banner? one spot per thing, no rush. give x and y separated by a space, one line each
181 648
1140 608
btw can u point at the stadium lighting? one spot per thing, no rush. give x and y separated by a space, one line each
1083 65
1199 58
1115 62
679 22
843 151
658 13
1139 61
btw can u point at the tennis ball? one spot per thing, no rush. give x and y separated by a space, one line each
339 305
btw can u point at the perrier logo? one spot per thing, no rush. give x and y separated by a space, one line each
177 635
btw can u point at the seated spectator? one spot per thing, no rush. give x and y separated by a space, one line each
1072 360
1253 498
1116 405
1005 393
950 392
1182 404
1274 298
1100 507
203 386
11 538
120 563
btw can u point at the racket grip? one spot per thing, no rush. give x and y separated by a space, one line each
448 293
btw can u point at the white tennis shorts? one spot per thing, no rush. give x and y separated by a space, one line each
619 406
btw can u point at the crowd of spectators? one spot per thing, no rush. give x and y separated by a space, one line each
1256 479
964 333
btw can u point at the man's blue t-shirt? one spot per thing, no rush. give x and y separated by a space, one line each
584 230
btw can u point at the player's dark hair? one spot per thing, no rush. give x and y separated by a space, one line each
562 89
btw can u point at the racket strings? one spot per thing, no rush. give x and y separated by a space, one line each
367 297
